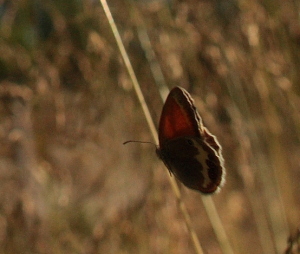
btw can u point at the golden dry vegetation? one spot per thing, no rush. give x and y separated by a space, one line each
68 185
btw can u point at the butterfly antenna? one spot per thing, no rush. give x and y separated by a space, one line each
137 141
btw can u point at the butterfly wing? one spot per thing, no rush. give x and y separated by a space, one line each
195 163
187 148
179 117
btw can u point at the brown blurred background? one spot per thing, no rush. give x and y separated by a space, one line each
68 185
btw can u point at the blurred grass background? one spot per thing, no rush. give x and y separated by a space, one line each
68 185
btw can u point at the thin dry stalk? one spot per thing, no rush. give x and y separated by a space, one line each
208 202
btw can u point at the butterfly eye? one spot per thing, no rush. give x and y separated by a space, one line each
190 142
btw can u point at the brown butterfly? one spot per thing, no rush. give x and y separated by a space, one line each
187 148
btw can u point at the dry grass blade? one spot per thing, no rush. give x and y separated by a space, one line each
162 86
150 122
208 202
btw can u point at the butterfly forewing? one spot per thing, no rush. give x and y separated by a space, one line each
178 117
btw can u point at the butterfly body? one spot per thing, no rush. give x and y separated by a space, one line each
186 147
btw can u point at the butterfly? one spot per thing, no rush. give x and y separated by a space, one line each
190 152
